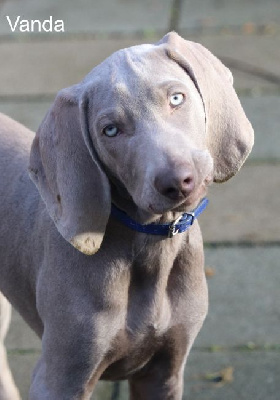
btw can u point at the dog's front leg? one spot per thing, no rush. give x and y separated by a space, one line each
73 383
162 378
69 368
66 384
155 385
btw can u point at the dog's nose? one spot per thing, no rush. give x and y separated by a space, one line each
176 185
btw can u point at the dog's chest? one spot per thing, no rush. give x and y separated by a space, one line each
146 311
149 308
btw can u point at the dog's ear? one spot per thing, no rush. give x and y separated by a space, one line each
230 136
68 175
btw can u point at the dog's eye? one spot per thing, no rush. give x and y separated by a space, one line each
110 130
176 99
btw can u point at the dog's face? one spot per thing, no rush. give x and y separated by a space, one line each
149 130
161 120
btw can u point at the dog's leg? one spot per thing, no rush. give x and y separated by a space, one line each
70 365
163 377
8 390
155 385
74 381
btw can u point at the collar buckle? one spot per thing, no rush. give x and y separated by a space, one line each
172 231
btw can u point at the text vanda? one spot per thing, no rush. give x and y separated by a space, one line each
35 25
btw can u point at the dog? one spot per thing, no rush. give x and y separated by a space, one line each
101 251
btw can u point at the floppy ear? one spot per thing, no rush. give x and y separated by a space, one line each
67 174
230 136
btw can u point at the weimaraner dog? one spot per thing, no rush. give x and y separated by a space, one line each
111 295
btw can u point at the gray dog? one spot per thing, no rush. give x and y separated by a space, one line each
96 256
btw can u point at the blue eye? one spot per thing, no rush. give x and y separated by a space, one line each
176 99
110 130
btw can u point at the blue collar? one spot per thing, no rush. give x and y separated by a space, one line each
179 225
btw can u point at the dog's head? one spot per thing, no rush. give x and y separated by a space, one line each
162 121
